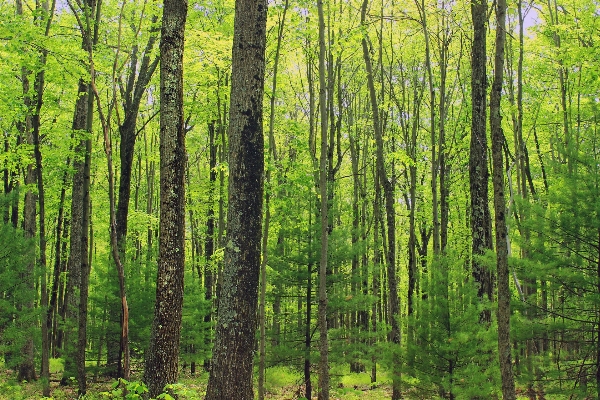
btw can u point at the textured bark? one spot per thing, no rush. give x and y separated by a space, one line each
78 249
504 343
324 214
481 230
232 365
162 361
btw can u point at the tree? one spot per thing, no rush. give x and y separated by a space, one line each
324 214
481 230
388 195
162 360
76 292
504 342
231 372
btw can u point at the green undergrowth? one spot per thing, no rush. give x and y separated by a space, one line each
280 383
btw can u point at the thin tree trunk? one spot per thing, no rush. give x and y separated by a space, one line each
26 368
388 193
273 158
263 294
132 98
209 244
162 361
504 344
309 299
324 215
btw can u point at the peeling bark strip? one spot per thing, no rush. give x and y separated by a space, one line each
231 374
162 361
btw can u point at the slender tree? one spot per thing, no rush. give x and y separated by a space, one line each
78 270
324 213
162 360
26 369
231 373
388 194
504 343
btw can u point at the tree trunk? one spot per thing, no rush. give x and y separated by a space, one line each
162 361
504 344
309 300
324 214
26 368
273 157
78 249
388 194
209 244
36 123
481 230
133 94
231 373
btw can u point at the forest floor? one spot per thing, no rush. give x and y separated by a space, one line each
281 384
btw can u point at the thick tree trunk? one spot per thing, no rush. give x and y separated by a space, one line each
162 361
481 230
232 365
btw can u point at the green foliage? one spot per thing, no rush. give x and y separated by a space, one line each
453 351
195 342
123 389
15 253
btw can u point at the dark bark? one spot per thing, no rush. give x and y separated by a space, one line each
85 263
504 344
26 369
162 361
324 216
78 249
232 365
209 243
132 97
87 16
481 230
356 321
36 124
